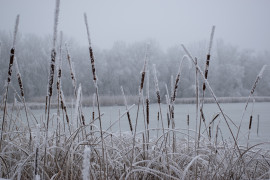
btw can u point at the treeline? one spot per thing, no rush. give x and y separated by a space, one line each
232 71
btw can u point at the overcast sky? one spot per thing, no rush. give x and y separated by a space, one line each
244 23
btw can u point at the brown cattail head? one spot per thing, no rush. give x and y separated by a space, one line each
93 64
210 131
147 111
250 122
129 122
175 87
60 56
52 66
144 67
19 77
63 105
128 114
188 119
11 59
177 79
90 50
208 57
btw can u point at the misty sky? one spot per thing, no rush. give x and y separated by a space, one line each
244 23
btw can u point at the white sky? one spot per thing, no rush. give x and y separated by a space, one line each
244 23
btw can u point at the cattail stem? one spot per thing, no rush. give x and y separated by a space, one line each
139 101
51 75
214 96
259 76
59 74
22 94
96 86
12 54
128 115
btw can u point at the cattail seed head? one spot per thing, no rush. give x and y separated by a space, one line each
12 52
19 77
52 66
250 122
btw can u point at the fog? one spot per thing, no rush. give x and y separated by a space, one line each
120 31
242 23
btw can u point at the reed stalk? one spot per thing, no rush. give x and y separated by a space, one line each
213 95
51 74
96 87
22 94
58 84
128 115
250 122
258 78
138 107
206 76
11 60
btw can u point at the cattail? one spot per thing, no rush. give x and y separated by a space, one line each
213 94
52 66
259 76
53 52
90 50
19 77
12 51
147 111
128 115
59 64
63 105
96 86
22 93
147 98
174 93
144 67
72 70
250 122
208 56
93 112
12 54
210 132
51 74
188 119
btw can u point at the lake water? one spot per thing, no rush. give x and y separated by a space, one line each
232 110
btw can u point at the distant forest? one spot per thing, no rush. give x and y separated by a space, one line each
232 71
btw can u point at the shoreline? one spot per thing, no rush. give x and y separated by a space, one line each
133 100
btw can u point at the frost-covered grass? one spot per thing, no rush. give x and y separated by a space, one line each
79 154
